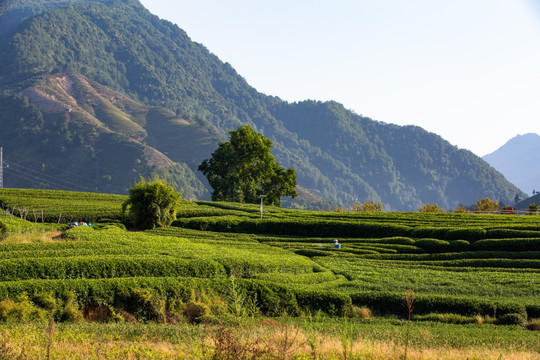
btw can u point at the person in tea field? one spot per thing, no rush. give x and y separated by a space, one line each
337 245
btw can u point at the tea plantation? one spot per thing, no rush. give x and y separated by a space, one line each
222 259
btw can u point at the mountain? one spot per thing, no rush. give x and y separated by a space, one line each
517 160
97 93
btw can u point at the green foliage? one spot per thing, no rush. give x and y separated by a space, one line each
450 318
242 169
151 204
511 233
433 245
21 310
196 312
370 206
486 205
514 244
145 303
432 208
283 263
55 206
392 303
512 319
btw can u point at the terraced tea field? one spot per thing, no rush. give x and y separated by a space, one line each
221 261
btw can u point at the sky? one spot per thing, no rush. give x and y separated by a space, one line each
467 70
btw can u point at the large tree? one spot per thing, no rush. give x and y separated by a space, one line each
242 169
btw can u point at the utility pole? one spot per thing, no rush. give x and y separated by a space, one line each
262 197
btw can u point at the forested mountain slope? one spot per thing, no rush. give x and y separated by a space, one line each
119 47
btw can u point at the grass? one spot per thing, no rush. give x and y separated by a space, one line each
371 338
33 237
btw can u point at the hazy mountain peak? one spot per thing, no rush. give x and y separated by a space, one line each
517 160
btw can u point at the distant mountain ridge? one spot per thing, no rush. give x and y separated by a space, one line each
144 85
518 161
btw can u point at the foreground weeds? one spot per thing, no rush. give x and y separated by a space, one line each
279 338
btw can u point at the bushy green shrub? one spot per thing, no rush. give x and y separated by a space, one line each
514 244
469 234
145 304
107 267
398 240
533 311
151 204
448 318
511 319
511 233
433 245
449 233
331 302
422 232
21 310
459 245
392 303
69 309
195 312
3 230
308 227
312 253
533 324
46 301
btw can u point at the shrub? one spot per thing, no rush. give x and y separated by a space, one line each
450 318
511 319
392 303
459 245
3 230
22 310
195 312
469 234
433 245
331 302
533 325
423 232
151 204
486 205
361 312
430 208
511 233
308 227
46 301
145 304
311 253
70 309
520 244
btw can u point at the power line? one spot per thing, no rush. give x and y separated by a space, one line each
28 174
59 171
30 177
46 177
63 173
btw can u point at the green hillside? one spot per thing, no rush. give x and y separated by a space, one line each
118 47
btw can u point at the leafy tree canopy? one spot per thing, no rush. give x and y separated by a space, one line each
242 169
486 205
151 204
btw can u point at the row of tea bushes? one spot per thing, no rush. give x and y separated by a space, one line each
272 299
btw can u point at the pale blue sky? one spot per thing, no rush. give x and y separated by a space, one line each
468 70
